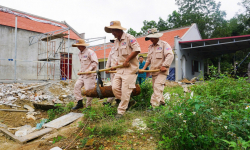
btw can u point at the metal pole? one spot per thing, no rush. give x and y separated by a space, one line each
15 45
68 52
104 57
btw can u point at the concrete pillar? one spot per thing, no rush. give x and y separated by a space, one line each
177 59
219 64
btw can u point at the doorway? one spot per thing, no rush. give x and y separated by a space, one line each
64 66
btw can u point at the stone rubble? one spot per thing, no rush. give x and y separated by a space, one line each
35 92
45 93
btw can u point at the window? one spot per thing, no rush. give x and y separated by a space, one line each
196 66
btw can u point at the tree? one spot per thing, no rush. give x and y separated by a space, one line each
133 32
205 13
162 25
148 25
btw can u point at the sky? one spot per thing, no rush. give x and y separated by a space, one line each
91 16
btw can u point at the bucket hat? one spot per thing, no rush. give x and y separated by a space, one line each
114 25
80 42
153 33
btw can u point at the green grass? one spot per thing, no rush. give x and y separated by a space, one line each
217 117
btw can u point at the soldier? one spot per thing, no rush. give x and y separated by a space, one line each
160 56
89 61
111 62
126 51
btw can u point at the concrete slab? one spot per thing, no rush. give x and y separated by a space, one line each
12 136
34 135
64 120
28 137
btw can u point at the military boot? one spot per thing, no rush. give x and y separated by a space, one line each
78 105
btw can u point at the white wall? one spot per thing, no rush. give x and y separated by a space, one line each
189 55
26 70
192 34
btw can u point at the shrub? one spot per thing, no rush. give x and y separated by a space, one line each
219 111
143 100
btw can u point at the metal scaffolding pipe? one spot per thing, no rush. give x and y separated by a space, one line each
68 52
15 45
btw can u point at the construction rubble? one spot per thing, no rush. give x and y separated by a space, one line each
19 119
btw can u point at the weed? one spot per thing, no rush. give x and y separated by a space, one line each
83 142
101 147
57 139
81 124
174 91
95 114
92 130
60 110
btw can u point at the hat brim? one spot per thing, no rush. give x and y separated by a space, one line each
77 45
156 35
108 28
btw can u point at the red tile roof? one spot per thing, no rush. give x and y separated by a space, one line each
8 19
168 36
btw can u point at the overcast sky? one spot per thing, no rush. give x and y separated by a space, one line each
90 16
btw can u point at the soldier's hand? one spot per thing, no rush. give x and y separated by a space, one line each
163 69
140 71
107 72
112 69
126 64
88 72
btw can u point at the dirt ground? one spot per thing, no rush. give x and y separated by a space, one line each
69 132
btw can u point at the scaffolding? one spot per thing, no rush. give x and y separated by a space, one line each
48 55
48 59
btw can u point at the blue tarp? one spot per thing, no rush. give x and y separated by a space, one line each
171 75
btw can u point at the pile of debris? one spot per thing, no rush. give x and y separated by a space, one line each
10 93
37 93
24 122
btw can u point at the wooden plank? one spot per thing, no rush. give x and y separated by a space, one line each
63 120
28 137
12 136
34 135
54 36
13 110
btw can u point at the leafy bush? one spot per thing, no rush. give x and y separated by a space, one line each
143 100
218 111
